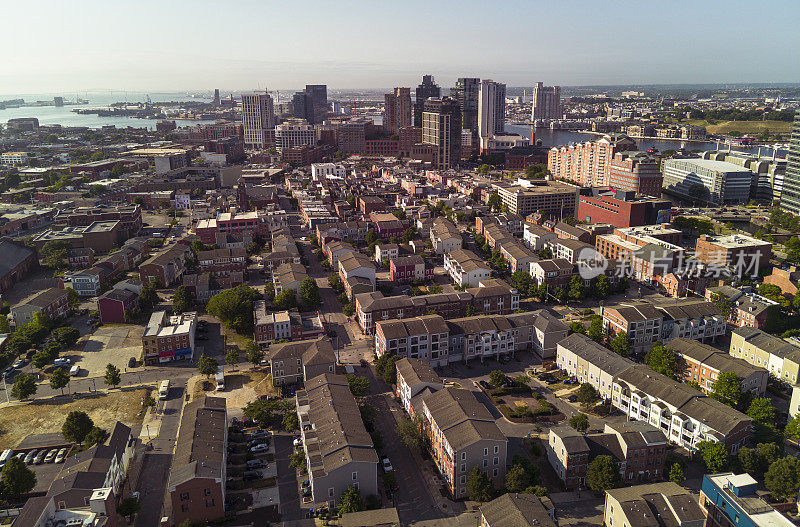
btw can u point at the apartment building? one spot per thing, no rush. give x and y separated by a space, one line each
115 304
781 358
386 251
732 499
258 116
53 303
166 267
747 308
129 216
222 262
549 197
745 253
620 208
702 364
568 454
466 268
294 133
445 236
198 477
339 450
637 172
513 509
588 163
415 379
169 338
463 435
409 268
590 362
357 273
295 362
518 256
289 276
536 236
553 272
88 282
570 250
651 505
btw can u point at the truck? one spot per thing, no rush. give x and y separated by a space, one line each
220 378
163 390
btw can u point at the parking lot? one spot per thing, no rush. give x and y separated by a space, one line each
252 476
114 344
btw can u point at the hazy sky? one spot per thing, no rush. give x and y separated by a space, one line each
54 46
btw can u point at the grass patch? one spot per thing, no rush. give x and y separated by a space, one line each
47 416
746 127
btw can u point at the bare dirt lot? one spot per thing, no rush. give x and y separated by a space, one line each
241 387
47 416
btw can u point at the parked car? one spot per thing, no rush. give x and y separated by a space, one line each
259 448
19 363
40 457
62 361
62 454
31 455
251 474
572 398
386 464
51 456
8 372
256 463
485 385
258 434
298 442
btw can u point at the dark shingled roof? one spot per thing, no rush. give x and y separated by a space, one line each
516 510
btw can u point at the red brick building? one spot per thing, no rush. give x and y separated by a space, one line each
409 268
114 304
620 208
636 172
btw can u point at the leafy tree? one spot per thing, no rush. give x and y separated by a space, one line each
764 417
73 298
602 474
335 282
128 506
54 254
713 456
575 291
309 293
234 307
207 365
359 386
676 473
254 353
662 359
286 299
182 301
350 501
723 303
792 430
621 344
596 332
602 287
59 379
298 460
577 327
5 327
587 395
16 478
66 335
112 376
517 479
783 478
232 357
371 238
410 432
385 367
497 378
495 202
77 426
24 386
579 422
727 389
149 296
41 359
479 486
95 436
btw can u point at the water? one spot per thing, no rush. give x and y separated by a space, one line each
66 117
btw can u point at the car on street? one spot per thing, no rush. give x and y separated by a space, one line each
62 454
386 464
485 385
251 474
30 457
259 448
61 361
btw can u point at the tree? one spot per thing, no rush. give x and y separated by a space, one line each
713 456
783 478
662 359
59 379
676 473
73 298
727 389
16 478
112 377
254 353
95 436
517 479
289 421
286 299
497 378
596 332
54 254
5 327
128 506
24 386
410 432
309 293
764 417
77 426
621 344
207 365
575 291
371 238
234 307
495 202
359 386
577 327
41 359
350 501
479 486
335 282
149 296
723 303
579 422
298 460
587 395
602 474
792 430
66 335
232 357
182 301
602 287
385 367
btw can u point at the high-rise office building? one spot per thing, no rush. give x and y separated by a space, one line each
426 90
465 93
319 100
303 106
257 117
441 127
491 110
790 197
397 110
216 97
546 102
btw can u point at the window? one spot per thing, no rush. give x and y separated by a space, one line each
463 467
496 449
355 476
485 451
184 508
496 461
462 480
207 492
184 496
494 472
485 463
330 492
463 456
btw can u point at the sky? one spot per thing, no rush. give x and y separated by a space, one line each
84 45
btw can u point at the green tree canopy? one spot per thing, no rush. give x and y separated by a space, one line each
602 287
479 486
112 377
351 501
497 378
587 395
286 299
254 353
182 301
95 436
385 367
517 479
309 293
662 359
24 386
602 474
783 478
410 432
713 456
66 335
727 389
621 344
234 307
76 426
359 385
596 332
676 473
579 422
764 418
577 327
59 379
207 365
17 479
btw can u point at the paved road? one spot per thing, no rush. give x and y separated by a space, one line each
287 479
157 462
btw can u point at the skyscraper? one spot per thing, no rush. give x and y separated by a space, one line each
257 117
790 198
491 110
465 93
397 110
216 97
319 99
303 106
426 90
441 127
546 102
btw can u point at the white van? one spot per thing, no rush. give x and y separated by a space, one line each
75 370
163 390
220 378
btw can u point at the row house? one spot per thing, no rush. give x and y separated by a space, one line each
463 436
445 237
409 268
633 505
169 338
296 362
387 225
53 303
415 379
203 286
386 251
87 283
497 237
702 364
115 305
513 223
571 250
289 276
466 268
334 250
80 257
568 453
780 357
565 231
347 230
222 262
747 308
166 267
554 273
357 273
518 256
284 250
536 236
